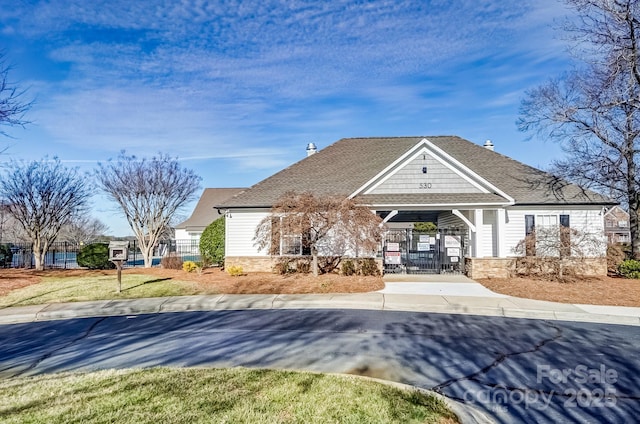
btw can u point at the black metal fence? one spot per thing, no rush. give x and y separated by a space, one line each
63 254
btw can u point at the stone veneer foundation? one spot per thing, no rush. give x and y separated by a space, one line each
506 267
474 267
263 263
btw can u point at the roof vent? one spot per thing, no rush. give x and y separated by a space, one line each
488 145
311 149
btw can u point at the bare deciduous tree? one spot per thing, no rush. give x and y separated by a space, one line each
149 191
43 196
557 252
333 225
82 229
594 111
12 103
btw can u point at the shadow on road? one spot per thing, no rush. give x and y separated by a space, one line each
510 368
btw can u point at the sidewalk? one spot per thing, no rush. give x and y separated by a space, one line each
452 302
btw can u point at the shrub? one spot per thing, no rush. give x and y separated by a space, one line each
189 266
171 261
630 268
235 271
348 268
212 242
95 256
615 257
303 265
369 267
328 264
6 256
283 266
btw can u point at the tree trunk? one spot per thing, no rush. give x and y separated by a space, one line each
314 263
634 212
147 255
38 256
634 228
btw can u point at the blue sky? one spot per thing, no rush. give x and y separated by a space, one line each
236 89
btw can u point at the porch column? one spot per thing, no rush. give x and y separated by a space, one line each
501 221
476 242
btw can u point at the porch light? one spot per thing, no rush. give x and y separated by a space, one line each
424 169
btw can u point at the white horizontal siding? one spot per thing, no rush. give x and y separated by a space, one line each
488 245
240 230
181 234
589 221
449 220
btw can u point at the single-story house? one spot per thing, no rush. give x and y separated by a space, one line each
204 213
483 203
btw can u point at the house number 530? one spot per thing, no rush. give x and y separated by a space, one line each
425 185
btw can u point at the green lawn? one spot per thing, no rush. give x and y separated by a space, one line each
192 395
76 289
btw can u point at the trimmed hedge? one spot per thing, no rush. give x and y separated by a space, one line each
630 268
95 256
212 243
6 256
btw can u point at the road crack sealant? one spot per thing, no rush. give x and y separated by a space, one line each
499 360
48 355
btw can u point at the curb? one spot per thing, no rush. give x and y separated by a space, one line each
467 414
508 307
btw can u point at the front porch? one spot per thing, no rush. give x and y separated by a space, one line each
457 236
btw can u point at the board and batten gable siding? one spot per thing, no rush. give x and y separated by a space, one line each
240 228
585 220
410 179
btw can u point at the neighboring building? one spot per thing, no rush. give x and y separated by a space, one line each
483 203
616 225
204 213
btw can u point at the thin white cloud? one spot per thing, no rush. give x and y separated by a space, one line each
195 78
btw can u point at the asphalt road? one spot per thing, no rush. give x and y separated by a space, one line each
514 370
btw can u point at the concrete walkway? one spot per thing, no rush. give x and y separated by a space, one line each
435 285
439 294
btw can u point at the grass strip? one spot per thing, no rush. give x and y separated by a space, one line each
103 287
203 395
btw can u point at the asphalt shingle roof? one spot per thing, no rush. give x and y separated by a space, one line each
348 164
205 212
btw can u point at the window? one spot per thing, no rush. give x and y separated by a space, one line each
553 238
285 242
529 224
565 236
622 224
291 245
547 220
530 241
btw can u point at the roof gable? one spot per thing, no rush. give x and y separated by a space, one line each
205 213
356 166
426 169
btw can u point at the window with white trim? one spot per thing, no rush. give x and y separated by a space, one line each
555 233
291 245
546 220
